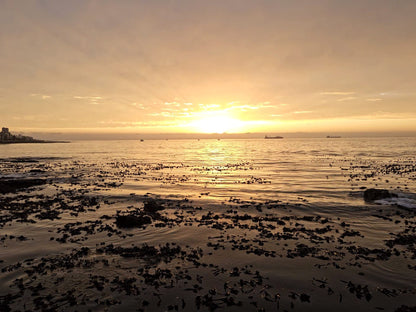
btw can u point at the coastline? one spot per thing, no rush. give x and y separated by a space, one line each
32 142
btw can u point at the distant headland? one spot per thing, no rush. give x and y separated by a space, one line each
7 138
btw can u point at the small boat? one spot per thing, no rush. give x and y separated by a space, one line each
273 137
141 140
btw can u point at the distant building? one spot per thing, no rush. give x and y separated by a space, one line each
7 138
5 135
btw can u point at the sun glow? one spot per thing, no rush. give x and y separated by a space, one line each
217 122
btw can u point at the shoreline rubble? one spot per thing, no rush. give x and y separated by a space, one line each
154 254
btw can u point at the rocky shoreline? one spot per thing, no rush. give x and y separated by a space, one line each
32 141
66 246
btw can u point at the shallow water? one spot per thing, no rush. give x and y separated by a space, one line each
290 178
261 169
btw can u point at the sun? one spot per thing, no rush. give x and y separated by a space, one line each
217 123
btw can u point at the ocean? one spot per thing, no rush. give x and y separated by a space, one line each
315 169
283 223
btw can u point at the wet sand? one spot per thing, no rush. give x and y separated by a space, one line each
70 243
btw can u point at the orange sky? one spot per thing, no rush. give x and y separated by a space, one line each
208 66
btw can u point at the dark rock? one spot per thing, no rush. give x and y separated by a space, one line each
402 239
151 206
405 308
305 298
12 186
376 194
132 221
37 171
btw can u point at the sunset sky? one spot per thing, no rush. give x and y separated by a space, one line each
208 66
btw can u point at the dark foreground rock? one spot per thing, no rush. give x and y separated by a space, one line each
405 308
377 194
132 221
151 206
12 186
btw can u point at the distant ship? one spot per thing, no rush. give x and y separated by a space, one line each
273 137
333 136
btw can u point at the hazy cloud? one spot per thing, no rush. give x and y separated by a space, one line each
302 112
93 100
337 93
41 96
348 98
255 60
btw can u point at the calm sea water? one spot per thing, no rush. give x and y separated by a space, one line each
319 177
316 172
